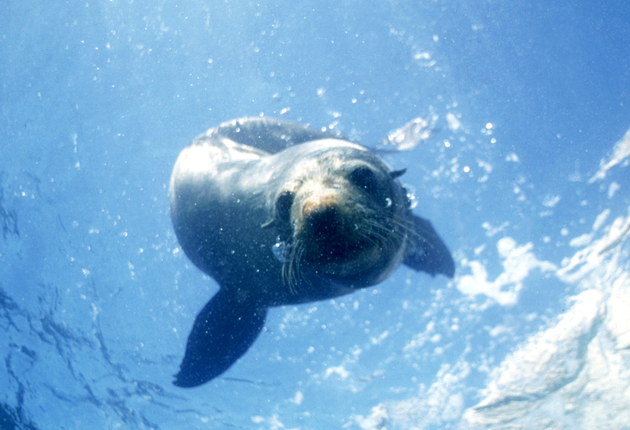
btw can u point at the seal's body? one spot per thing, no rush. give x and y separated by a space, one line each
281 214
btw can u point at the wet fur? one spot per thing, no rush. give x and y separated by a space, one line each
339 210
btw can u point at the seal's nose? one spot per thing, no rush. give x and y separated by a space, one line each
323 221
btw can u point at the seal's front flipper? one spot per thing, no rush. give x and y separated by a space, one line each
427 252
223 331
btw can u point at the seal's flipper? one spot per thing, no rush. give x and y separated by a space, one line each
271 135
223 331
427 252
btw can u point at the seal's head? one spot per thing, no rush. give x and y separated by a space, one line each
345 218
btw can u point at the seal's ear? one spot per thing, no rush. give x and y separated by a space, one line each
427 252
397 173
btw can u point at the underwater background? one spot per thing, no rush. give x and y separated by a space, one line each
526 179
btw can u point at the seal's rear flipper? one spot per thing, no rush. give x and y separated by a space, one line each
271 135
427 252
223 331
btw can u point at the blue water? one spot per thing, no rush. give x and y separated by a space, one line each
526 180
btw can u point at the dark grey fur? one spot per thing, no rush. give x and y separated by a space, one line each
246 185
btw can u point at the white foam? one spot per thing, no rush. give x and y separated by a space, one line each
518 262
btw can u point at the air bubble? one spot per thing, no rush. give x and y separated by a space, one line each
281 250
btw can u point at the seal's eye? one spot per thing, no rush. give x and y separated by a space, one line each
364 177
283 205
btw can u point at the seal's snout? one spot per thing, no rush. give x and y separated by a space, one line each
323 230
322 217
324 221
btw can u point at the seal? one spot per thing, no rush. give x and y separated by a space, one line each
278 213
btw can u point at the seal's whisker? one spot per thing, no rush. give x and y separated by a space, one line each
287 268
374 229
367 236
293 278
412 230
408 227
372 234
300 253
384 234
380 236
